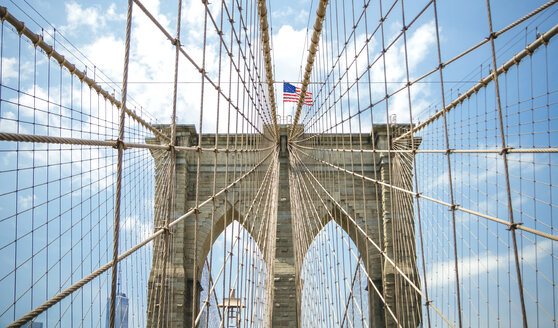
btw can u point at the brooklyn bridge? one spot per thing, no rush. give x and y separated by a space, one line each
236 163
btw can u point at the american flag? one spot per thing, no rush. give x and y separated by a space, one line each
292 93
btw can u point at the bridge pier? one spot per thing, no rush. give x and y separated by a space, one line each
285 298
370 206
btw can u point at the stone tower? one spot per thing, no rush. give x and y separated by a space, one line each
384 224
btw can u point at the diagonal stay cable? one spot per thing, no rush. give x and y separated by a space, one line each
268 65
21 137
441 202
427 151
251 207
332 217
320 15
196 66
57 298
434 70
469 50
38 41
301 184
242 54
542 40
374 244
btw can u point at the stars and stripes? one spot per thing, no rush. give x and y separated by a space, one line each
292 93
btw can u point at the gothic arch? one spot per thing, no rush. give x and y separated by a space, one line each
225 217
245 271
356 235
370 256
354 298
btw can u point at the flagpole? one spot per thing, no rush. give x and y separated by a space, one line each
283 117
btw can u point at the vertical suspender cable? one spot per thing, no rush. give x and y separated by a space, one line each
504 154
450 179
170 185
120 146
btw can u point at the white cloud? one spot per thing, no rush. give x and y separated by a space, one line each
291 15
9 68
107 52
92 18
34 103
354 63
135 229
25 202
113 15
8 123
399 104
36 106
194 18
79 16
421 44
470 267
419 48
488 202
152 59
288 49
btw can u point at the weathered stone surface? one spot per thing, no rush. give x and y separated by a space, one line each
368 203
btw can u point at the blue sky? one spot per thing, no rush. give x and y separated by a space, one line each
97 30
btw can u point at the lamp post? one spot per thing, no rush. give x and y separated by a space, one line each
231 307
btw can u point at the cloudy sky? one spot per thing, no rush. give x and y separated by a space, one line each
97 30
91 35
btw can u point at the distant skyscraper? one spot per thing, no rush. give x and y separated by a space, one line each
121 311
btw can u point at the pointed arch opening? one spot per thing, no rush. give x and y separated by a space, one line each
334 283
234 281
